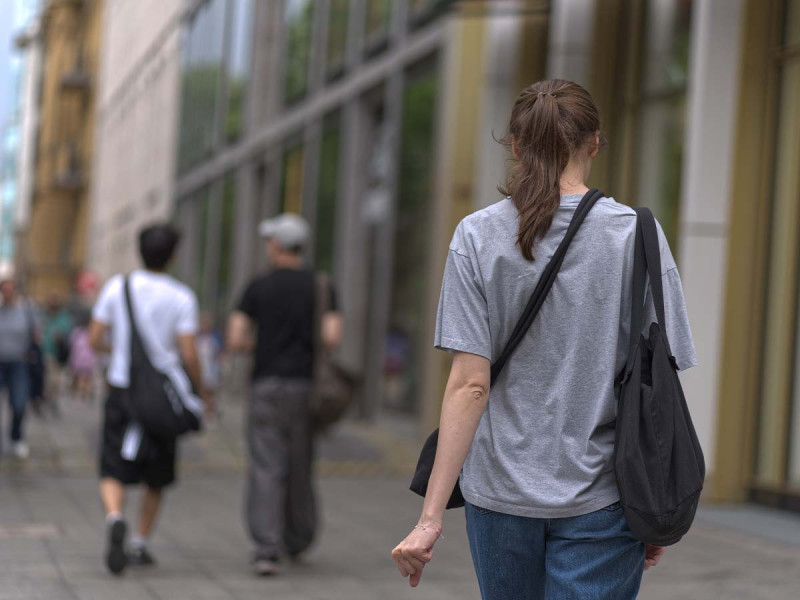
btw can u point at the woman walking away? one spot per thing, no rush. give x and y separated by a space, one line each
535 454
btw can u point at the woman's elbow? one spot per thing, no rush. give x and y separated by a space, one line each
477 390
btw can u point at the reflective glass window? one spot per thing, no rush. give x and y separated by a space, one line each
411 238
292 179
378 19
298 21
226 224
238 71
338 16
662 109
327 194
201 75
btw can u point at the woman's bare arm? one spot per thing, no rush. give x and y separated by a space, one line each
465 400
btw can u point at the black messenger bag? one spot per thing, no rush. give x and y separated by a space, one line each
419 483
658 460
153 400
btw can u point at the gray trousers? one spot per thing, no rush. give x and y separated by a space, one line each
280 506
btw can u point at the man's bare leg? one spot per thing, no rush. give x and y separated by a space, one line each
112 494
151 503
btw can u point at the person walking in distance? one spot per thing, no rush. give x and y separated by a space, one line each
17 334
56 331
275 318
534 455
166 312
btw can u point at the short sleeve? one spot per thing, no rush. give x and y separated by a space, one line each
103 311
247 304
188 316
462 322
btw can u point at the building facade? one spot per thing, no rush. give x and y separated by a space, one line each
376 120
136 126
363 117
51 245
758 399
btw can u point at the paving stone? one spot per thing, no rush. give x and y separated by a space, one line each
366 508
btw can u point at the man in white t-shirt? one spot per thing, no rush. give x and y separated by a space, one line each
165 311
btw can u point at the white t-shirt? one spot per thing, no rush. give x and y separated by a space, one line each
164 309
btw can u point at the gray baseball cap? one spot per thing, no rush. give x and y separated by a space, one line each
288 229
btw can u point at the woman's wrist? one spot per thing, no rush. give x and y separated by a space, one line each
430 521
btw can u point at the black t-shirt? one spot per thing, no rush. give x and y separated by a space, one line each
281 304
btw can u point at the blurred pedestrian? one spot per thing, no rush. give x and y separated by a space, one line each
17 336
56 330
82 359
166 319
275 319
209 348
536 457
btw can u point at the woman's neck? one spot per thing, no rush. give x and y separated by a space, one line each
572 179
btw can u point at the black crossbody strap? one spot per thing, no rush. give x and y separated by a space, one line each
638 284
545 282
137 347
646 269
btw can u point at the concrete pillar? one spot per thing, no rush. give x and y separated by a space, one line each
705 199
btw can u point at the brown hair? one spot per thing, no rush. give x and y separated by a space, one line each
550 121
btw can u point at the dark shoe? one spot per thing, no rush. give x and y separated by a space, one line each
141 557
116 560
266 566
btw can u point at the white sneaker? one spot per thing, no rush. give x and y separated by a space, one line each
21 450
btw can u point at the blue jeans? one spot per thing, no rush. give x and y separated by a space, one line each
589 557
14 376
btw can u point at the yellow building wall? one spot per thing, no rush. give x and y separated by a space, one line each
54 247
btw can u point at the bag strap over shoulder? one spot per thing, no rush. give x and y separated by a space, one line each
545 282
137 346
646 269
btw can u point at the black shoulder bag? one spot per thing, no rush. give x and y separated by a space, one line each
658 460
153 399
419 483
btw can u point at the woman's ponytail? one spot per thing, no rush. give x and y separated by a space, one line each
549 122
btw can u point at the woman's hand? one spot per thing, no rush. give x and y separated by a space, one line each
652 554
413 553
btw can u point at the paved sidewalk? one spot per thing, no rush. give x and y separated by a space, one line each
51 530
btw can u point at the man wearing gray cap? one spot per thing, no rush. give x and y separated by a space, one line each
275 319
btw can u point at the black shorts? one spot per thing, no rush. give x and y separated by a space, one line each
155 464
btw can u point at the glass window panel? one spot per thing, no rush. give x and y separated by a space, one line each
659 161
200 275
200 83
337 35
378 18
227 222
667 32
292 180
299 20
422 11
239 57
327 194
411 240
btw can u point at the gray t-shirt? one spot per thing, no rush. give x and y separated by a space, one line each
545 444
15 331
